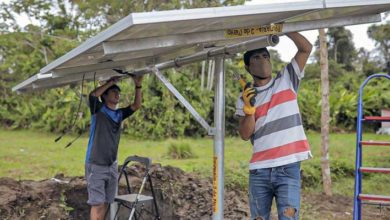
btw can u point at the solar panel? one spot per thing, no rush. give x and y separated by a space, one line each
142 40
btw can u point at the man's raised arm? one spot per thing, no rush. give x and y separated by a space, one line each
304 48
100 90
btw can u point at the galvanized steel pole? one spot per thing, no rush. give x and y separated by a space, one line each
219 139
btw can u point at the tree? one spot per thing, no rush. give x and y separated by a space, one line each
381 35
366 64
25 50
104 13
341 48
325 114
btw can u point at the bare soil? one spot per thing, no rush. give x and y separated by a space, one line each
179 195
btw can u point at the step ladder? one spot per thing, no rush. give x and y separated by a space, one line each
134 200
360 198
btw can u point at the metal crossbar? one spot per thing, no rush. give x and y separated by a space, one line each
375 143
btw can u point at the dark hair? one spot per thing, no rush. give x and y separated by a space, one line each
108 89
249 54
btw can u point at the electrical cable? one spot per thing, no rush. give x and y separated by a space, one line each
94 108
74 118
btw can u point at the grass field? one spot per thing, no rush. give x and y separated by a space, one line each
34 155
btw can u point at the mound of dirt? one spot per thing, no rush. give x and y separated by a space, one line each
31 200
179 195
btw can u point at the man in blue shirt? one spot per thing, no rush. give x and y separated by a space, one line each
101 167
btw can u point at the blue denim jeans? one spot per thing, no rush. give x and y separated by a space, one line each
283 183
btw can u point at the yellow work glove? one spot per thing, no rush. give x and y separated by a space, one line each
248 96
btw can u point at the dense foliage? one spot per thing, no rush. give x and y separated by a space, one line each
343 99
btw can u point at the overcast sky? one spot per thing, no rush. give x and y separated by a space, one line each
287 49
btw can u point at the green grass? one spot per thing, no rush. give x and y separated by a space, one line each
34 155
342 156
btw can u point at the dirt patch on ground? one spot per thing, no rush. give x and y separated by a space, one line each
179 196
320 206
30 199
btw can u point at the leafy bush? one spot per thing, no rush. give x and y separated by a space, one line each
180 151
312 175
336 70
309 100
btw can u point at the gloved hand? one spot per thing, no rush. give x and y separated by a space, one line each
248 96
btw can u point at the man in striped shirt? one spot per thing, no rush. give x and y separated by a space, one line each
272 122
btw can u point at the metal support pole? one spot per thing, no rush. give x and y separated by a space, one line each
202 76
183 101
219 139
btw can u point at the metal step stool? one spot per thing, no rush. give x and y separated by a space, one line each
135 201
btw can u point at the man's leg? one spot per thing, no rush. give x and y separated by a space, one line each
98 211
112 189
260 194
96 177
288 190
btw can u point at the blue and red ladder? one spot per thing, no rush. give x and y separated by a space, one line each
359 198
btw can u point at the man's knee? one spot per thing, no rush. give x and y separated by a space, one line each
98 211
98 207
289 212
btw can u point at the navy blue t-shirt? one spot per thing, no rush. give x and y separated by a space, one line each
104 132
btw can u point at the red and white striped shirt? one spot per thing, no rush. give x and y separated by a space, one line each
279 137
